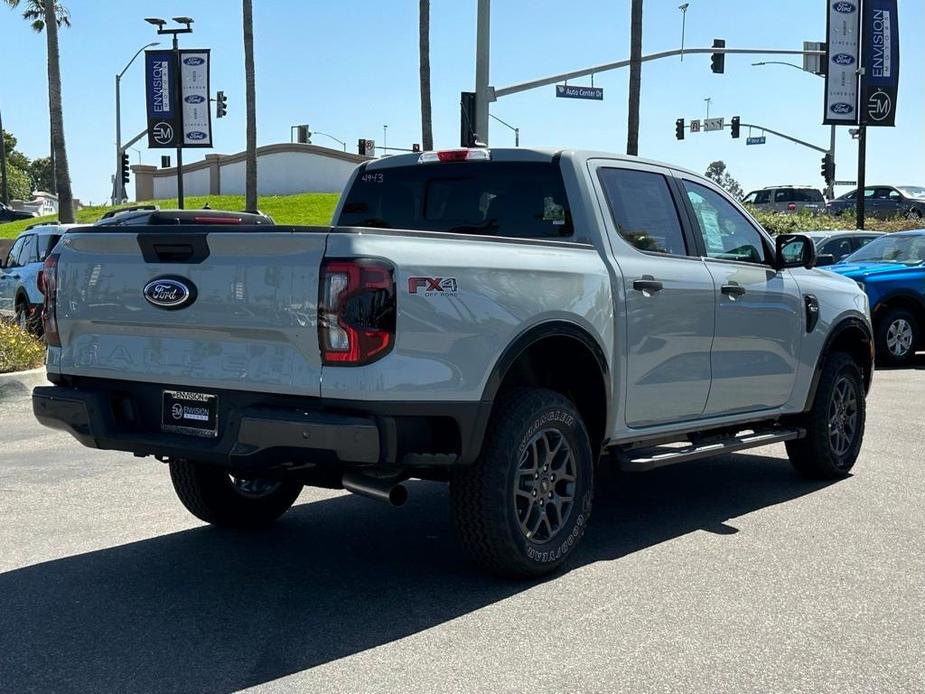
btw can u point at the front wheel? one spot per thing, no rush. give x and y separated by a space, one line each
835 423
523 507
217 497
897 337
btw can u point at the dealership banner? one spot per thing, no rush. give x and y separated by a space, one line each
196 116
843 36
880 48
161 97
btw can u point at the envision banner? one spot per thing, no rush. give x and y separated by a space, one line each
194 95
161 96
843 25
880 82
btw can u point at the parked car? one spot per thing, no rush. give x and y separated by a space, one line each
833 246
891 270
20 298
8 214
154 215
786 199
884 202
498 319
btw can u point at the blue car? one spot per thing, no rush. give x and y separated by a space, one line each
891 270
20 298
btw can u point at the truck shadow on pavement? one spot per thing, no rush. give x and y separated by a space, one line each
207 610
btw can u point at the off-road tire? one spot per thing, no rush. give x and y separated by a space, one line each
816 456
885 355
209 493
483 495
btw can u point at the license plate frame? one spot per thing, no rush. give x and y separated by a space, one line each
190 413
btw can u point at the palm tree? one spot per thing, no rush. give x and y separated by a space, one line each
250 160
427 126
48 16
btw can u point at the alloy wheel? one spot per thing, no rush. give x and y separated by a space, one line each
899 337
843 416
544 486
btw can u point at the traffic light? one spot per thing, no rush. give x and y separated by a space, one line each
123 168
827 170
221 105
366 148
718 60
467 137
303 134
735 127
679 128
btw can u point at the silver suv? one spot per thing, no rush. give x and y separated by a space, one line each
786 199
20 298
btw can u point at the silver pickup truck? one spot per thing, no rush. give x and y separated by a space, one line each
504 320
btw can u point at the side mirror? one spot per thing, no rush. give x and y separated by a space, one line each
795 250
825 259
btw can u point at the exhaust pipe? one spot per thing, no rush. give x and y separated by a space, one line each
382 489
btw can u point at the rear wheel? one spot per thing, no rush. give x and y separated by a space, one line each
217 497
523 507
897 337
835 424
22 315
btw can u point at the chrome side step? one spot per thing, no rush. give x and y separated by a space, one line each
659 456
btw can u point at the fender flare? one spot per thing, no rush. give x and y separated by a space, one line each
849 323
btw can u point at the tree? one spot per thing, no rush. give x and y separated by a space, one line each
427 126
14 157
48 16
20 184
717 173
40 171
250 159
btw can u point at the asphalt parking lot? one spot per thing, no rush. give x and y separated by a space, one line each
729 575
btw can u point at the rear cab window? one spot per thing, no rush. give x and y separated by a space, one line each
509 199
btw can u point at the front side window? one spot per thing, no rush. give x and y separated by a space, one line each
763 197
727 234
12 258
643 210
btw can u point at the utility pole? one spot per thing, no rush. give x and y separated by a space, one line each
5 192
482 41
632 125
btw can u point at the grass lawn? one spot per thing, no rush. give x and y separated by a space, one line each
304 208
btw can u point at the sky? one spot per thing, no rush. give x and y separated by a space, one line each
349 67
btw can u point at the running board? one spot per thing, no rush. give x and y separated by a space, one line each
659 456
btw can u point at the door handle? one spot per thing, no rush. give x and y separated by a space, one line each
647 284
733 290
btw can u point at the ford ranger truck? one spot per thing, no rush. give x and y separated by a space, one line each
503 320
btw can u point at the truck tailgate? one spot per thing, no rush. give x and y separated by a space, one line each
251 323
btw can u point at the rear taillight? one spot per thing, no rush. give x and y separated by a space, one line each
48 285
791 206
356 311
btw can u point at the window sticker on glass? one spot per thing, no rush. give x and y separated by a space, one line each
372 177
553 212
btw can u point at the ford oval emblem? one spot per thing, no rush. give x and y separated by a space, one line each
170 293
196 135
844 7
843 59
841 108
194 99
193 60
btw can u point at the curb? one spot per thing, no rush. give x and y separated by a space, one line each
20 383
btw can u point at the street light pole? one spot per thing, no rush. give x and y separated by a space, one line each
482 50
118 192
508 125
683 7
318 132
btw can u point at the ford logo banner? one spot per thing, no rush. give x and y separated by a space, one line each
844 7
841 108
843 59
196 135
194 99
193 60
170 293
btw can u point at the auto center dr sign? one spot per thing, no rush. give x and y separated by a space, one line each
862 34
177 96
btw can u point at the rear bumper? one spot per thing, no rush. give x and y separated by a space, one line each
264 431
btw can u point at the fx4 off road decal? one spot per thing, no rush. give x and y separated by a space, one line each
432 286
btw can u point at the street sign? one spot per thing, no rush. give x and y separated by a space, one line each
568 91
844 183
196 118
881 63
712 124
756 140
841 80
695 126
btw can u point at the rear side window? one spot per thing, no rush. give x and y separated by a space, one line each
783 195
513 199
47 244
762 197
30 251
643 210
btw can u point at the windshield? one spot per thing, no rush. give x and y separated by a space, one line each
514 199
909 250
912 191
